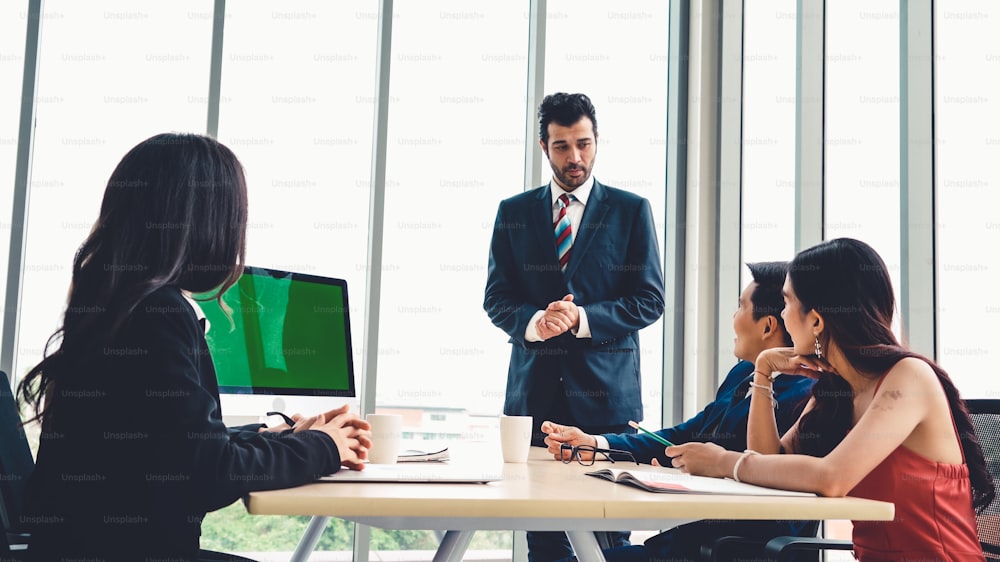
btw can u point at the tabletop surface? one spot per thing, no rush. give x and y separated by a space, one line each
542 489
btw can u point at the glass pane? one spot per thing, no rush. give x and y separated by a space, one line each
862 127
109 77
455 149
617 55
13 24
767 198
967 146
768 193
440 208
297 107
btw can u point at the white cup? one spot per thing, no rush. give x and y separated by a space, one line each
387 438
515 437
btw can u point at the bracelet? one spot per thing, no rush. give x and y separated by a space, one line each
769 389
771 377
739 461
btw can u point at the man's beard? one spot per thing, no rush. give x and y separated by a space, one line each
566 180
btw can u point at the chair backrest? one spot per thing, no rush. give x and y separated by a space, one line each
986 420
16 462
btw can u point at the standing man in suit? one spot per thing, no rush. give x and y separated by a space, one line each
574 274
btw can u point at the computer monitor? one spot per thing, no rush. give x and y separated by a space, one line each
287 334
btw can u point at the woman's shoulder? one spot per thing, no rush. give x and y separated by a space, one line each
165 304
914 365
165 294
910 374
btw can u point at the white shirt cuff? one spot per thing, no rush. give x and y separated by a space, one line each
584 330
602 442
531 332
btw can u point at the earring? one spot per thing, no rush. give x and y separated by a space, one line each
819 350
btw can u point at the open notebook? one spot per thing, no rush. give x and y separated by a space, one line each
673 481
418 472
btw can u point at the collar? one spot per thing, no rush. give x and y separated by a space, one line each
198 312
581 193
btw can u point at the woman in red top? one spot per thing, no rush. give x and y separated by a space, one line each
882 423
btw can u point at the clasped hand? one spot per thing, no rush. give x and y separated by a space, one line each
351 434
558 318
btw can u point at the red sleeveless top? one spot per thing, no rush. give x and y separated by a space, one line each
934 518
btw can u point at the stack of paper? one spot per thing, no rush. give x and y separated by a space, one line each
416 455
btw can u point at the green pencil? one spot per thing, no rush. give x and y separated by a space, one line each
651 434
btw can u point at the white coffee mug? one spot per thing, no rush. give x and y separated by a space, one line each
515 437
387 438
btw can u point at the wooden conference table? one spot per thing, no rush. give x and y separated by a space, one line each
540 495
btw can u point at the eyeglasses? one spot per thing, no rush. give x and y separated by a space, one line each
586 454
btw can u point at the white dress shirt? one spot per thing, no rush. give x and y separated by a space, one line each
575 213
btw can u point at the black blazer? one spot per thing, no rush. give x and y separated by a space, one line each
133 452
614 273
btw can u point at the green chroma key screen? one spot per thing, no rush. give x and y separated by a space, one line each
289 334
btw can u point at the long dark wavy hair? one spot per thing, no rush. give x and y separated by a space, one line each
847 282
174 213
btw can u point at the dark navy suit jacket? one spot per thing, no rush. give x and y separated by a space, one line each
614 273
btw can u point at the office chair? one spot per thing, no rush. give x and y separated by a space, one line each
16 465
735 547
986 421
985 416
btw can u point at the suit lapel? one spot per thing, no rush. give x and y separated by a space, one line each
542 224
593 216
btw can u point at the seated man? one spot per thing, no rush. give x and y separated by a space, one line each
758 326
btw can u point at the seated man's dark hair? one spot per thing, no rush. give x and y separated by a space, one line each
766 298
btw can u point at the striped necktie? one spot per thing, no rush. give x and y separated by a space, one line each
563 231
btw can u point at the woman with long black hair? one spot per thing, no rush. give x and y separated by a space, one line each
883 422
133 451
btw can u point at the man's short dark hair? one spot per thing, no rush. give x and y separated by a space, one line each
564 109
766 297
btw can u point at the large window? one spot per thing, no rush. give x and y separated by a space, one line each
110 76
13 24
967 145
616 53
455 149
297 107
767 198
862 126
